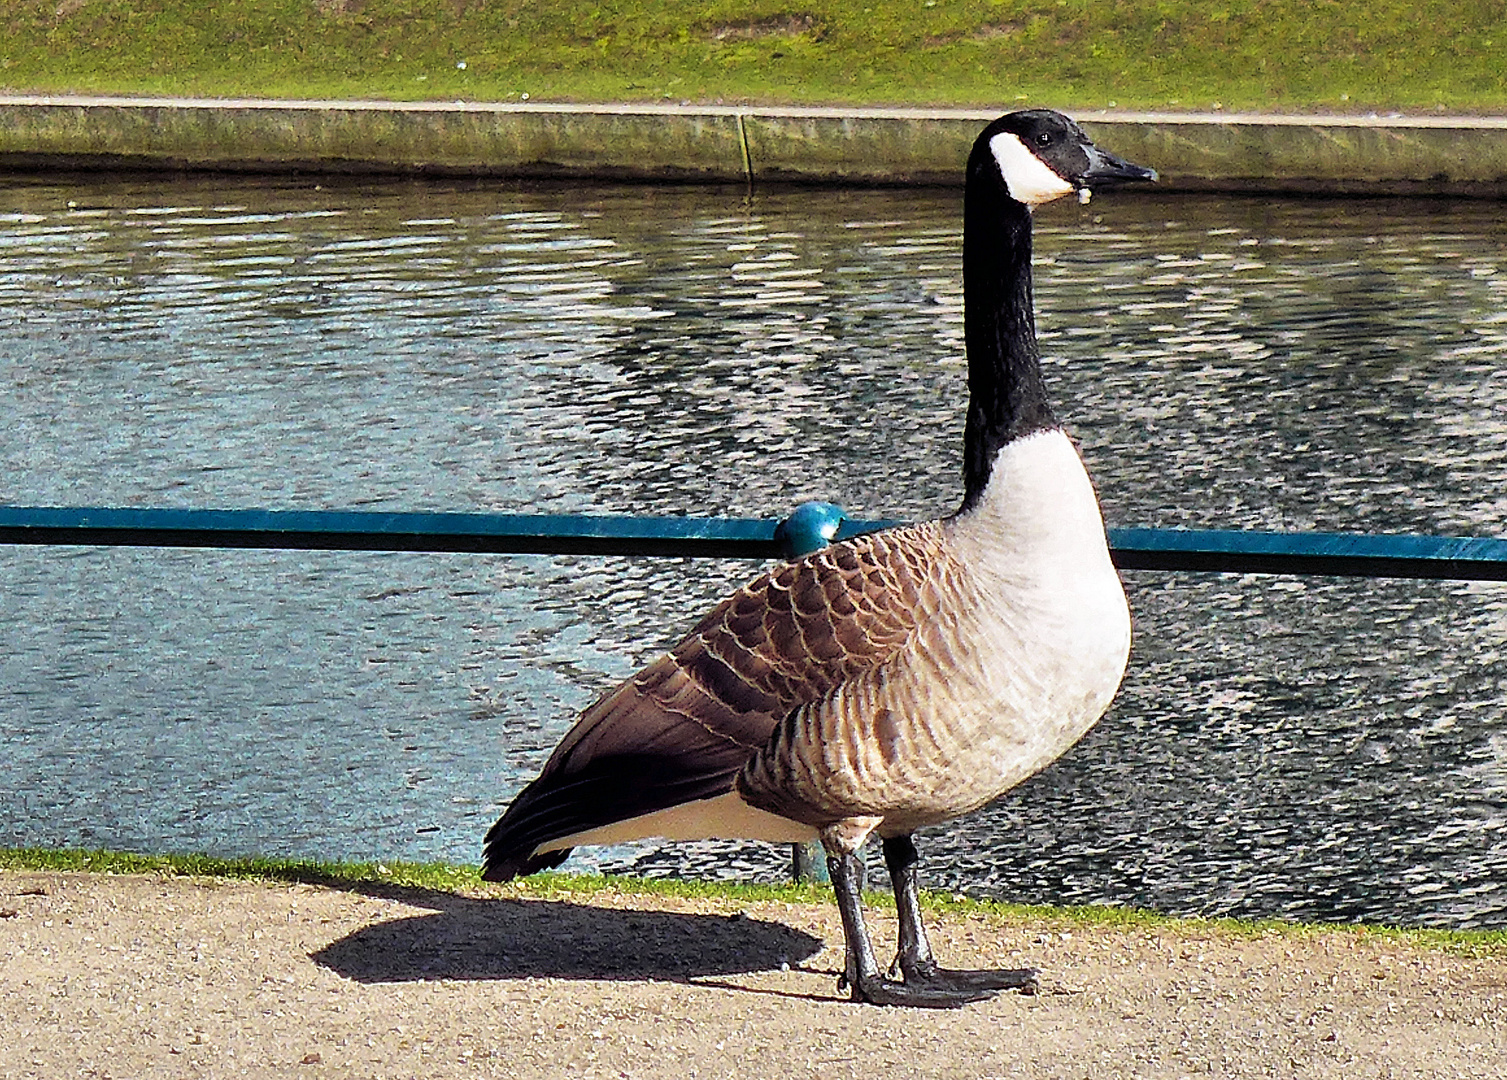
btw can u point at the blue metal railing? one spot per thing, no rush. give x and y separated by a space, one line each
1341 554
806 529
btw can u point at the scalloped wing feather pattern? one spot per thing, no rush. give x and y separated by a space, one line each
687 725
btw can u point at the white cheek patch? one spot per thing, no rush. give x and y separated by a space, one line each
1029 178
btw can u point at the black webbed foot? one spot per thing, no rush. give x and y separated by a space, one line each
878 990
861 976
992 980
914 961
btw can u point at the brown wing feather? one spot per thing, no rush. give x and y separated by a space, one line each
682 728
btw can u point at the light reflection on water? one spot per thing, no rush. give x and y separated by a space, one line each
1318 748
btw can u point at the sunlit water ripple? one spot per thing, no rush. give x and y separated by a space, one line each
1313 748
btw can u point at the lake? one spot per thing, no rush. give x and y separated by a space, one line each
1311 748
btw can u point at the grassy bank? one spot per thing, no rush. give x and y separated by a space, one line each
446 877
1448 55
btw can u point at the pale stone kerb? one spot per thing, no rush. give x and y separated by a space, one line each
690 146
1317 155
902 149
852 146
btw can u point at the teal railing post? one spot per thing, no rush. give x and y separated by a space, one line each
810 527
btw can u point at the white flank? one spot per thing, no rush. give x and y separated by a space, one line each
1029 179
727 817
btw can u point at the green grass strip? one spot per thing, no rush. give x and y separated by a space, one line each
446 877
1235 54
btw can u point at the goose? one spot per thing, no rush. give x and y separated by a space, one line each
897 679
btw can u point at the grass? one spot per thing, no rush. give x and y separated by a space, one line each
1419 55
445 877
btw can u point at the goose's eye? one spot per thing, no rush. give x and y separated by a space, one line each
1044 139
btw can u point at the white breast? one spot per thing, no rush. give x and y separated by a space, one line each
1048 622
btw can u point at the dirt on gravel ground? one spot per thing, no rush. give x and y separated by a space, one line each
117 976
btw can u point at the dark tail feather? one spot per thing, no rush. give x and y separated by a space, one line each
500 867
607 790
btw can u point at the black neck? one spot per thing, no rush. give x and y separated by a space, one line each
1006 397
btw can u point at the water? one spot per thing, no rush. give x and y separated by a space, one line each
1315 748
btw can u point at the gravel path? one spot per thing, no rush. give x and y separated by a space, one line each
115 976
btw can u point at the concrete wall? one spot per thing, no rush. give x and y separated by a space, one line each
862 146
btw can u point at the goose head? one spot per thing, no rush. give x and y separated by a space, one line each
1038 155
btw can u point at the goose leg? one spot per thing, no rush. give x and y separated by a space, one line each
914 960
862 971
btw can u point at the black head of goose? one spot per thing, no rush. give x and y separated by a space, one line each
897 679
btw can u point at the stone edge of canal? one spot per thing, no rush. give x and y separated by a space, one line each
1393 155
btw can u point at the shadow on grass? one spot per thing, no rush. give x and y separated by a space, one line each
467 938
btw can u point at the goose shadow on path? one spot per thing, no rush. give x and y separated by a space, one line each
469 938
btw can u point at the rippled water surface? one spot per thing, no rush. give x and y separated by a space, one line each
1317 748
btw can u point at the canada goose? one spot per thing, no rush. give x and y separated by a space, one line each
893 680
